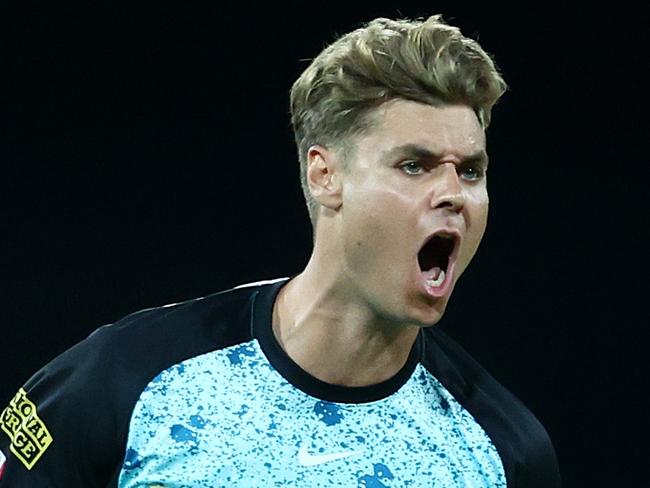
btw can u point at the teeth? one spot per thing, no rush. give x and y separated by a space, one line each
437 282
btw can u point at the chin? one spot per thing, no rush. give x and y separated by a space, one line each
429 314
424 323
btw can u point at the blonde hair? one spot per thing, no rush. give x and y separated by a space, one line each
426 61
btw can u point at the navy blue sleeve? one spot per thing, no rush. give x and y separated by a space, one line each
523 444
59 430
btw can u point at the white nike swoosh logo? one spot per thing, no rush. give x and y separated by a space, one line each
307 459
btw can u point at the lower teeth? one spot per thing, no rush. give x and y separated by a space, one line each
439 281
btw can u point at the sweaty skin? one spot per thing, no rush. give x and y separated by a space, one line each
351 317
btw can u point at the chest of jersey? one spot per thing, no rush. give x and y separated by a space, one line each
228 418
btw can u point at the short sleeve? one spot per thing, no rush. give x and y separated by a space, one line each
59 428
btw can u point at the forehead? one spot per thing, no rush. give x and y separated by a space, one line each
448 129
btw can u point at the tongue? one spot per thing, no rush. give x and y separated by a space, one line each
432 274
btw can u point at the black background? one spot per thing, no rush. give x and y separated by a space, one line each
147 158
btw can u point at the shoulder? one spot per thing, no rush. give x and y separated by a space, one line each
83 398
155 337
135 348
191 325
522 441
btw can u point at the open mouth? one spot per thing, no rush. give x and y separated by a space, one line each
434 258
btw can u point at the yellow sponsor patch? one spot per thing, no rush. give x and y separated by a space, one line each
29 436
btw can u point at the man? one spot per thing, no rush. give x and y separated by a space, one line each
335 377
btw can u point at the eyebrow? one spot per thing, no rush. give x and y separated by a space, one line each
421 152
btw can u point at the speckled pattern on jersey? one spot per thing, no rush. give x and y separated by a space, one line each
228 418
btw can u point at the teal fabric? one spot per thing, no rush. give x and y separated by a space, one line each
228 418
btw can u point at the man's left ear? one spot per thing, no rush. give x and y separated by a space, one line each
324 176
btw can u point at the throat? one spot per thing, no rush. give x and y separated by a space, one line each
336 346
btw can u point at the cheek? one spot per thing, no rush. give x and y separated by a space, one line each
377 207
476 214
377 224
483 211
476 219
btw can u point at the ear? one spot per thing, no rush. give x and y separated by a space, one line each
324 173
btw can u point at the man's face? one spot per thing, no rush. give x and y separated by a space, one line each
419 170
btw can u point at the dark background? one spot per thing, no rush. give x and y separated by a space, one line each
147 158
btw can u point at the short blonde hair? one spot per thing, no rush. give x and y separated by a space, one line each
426 61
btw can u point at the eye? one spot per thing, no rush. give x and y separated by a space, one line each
412 168
473 172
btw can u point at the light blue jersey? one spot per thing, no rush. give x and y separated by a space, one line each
228 418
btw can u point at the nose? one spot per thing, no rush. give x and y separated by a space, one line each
448 191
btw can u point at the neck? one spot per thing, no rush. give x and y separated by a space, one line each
331 332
